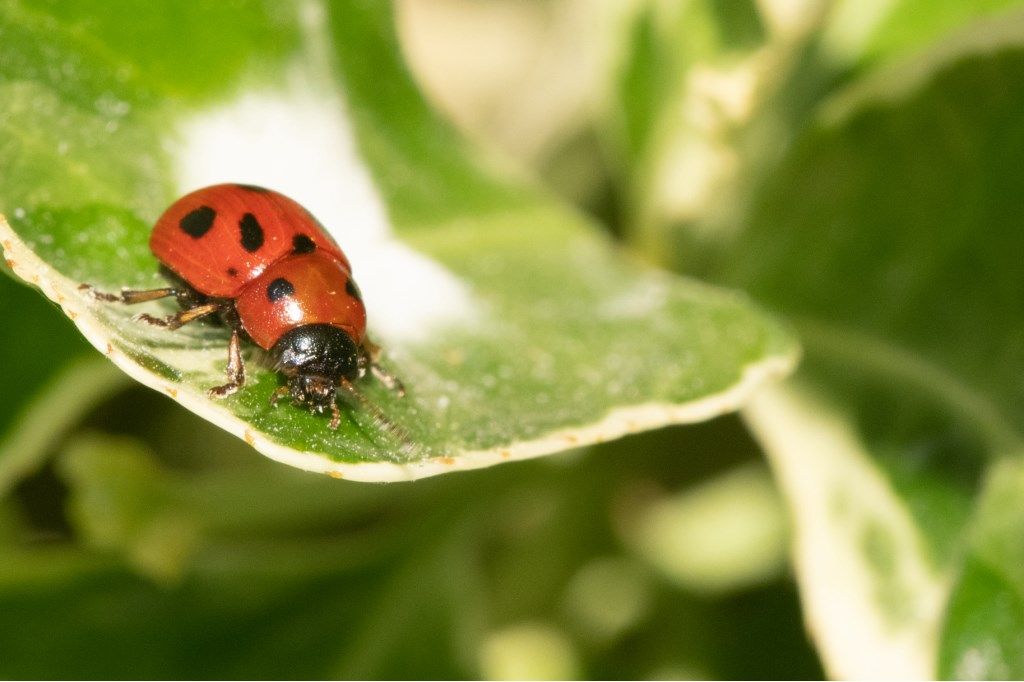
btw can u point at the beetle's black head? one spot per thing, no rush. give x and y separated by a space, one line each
314 357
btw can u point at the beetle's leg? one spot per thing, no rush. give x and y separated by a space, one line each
335 417
381 420
371 356
373 351
279 393
129 296
235 371
179 319
390 381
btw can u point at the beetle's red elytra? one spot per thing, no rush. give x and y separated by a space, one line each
261 263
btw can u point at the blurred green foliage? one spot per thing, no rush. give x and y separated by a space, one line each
35 344
192 557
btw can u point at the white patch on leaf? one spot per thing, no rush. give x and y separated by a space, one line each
298 140
642 300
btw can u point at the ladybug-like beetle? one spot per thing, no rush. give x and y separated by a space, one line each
263 264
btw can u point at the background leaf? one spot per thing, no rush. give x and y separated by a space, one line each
51 379
885 233
986 611
894 29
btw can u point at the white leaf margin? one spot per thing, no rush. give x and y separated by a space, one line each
813 452
615 424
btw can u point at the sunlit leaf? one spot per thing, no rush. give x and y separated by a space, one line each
518 330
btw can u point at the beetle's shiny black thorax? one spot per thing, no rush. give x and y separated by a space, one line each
317 349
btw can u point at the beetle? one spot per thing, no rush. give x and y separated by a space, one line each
264 266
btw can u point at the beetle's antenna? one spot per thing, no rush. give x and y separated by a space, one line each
379 418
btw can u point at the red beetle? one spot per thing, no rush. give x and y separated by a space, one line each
265 267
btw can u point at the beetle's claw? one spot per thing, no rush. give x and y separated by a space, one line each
279 393
220 392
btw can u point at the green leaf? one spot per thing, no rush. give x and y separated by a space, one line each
882 31
518 330
896 186
985 618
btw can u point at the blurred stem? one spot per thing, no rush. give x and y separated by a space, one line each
649 83
885 359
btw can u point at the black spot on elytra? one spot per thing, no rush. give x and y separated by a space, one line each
303 244
198 222
278 289
232 272
353 290
252 188
252 233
